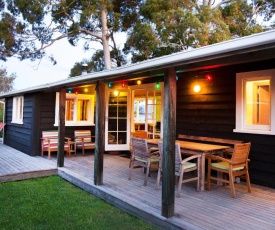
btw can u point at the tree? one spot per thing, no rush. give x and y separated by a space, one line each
96 63
29 27
6 82
169 26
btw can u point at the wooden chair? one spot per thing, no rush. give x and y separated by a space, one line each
2 124
141 157
236 166
181 166
142 134
83 140
49 143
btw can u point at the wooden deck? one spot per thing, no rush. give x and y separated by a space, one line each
15 165
213 209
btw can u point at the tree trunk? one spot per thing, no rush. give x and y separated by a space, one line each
105 39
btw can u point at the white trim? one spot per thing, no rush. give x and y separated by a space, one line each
18 110
240 113
76 97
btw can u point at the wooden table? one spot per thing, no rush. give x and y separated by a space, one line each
196 148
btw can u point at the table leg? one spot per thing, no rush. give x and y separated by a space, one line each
202 166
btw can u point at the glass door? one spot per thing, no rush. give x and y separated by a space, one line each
117 125
147 112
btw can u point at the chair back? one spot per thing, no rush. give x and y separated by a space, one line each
140 148
139 134
52 135
79 134
240 153
178 158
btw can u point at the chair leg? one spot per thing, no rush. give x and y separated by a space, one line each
180 182
131 168
158 178
49 153
208 176
248 182
147 173
232 186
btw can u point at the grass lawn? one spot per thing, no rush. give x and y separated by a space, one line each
53 203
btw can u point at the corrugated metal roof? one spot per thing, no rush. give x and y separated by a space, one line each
239 44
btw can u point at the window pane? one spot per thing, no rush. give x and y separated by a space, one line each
82 108
69 109
258 102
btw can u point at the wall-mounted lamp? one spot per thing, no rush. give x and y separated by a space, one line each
86 90
139 82
109 84
70 91
116 93
123 84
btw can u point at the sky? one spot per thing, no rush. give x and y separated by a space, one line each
34 73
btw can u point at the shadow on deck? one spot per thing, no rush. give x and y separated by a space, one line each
213 209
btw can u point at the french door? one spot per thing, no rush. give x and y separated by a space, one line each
117 134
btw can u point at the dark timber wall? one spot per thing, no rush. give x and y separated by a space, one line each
212 113
20 136
38 115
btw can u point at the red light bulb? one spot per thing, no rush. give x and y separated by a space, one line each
208 77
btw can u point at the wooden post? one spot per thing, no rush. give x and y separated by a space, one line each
99 133
169 137
61 128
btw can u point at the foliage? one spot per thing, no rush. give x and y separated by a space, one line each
29 27
6 82
96 63
52 203
166 27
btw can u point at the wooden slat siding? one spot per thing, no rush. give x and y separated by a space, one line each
212 113
46 119
169 137
35 135
19 135
61 127
99 132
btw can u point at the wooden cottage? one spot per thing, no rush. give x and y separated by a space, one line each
225 90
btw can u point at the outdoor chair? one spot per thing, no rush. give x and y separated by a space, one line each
49 143
83 140
235 167
2 124
142 134
141 156
181 167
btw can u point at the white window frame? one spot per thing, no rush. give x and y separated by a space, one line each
18 110
241 78
75 122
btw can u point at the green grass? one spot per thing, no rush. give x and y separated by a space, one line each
53 203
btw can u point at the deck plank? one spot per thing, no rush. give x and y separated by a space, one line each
214 209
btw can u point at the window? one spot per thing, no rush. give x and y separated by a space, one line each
255 108
79 109
17 110
147 112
